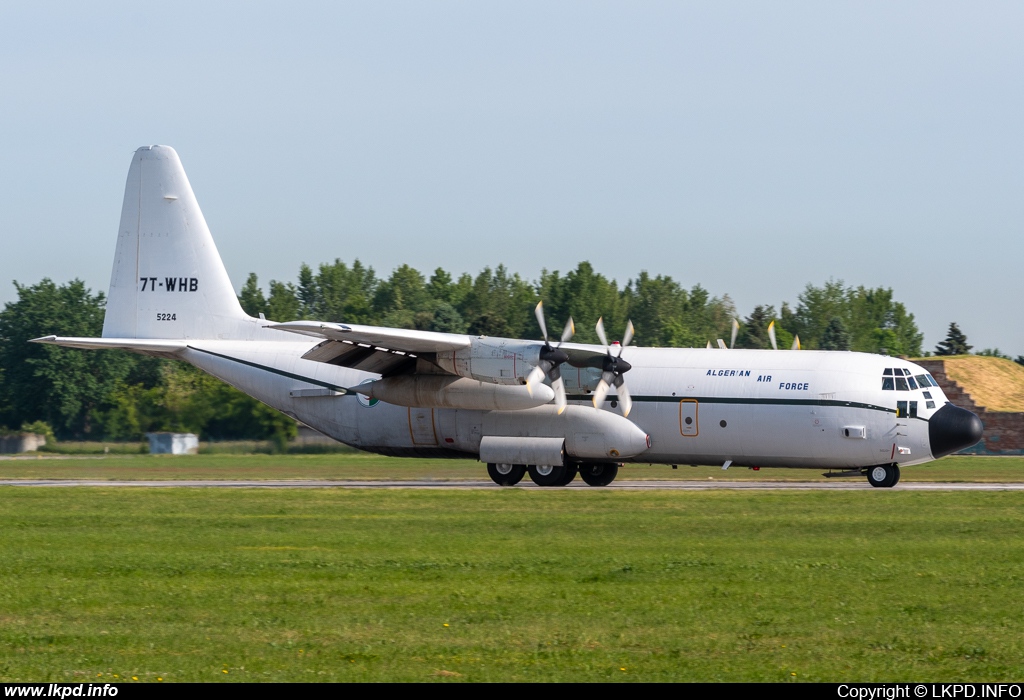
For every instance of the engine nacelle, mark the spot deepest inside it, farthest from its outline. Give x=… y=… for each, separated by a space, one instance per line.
x=493 y=360
x=447 y=391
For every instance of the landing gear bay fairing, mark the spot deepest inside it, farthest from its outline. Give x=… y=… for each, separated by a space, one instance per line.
x=551 y=410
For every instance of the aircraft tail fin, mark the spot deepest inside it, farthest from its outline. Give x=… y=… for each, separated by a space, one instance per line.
x=168 y=279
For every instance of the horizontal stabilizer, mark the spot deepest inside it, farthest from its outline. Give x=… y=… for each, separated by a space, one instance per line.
x=144 y=345
x=399 y=339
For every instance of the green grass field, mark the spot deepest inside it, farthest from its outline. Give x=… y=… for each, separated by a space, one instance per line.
x=513 y=584
x=360 y=465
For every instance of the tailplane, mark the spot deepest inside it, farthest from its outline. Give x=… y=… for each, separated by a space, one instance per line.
x=168 y=279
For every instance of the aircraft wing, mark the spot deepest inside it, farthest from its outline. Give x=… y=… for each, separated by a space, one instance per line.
x=385 y=351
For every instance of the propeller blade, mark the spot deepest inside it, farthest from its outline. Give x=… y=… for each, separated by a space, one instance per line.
x=628 y=336
x=721 y=344
x=535 y=377
x=601 y=391
x=539 y=313
x=559 y=386
x=796 y=342
x=771 y=335
x=624 y=395
x=600 y=332
x=569 y=330
x=709 y=345
x=625 y=400
x=735 y=331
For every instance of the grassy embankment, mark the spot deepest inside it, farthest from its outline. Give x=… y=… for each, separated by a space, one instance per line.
x=359 y=465
x=205 y=585
x=993 y=382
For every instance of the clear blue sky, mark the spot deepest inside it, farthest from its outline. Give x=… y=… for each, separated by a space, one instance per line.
x=749 y=147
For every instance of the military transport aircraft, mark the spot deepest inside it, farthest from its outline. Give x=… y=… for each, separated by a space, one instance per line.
x=520 y=406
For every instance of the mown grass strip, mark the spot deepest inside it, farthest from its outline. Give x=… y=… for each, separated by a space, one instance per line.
x=185 y=584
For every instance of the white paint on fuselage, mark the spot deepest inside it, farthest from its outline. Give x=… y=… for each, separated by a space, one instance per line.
x=780 y=408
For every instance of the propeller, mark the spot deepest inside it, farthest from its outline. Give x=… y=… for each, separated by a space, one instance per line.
x=796 y=342
x=614 y=368
x=771 y=335
x=735 y=331
x=551 y=358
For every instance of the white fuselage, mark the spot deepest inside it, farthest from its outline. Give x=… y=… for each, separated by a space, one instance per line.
x=698 y=406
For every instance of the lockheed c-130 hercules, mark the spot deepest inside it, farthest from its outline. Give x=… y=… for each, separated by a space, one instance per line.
x=520 y=406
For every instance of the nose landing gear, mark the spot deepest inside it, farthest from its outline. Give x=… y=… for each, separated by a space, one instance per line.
x=884 y=475
x=597 y=474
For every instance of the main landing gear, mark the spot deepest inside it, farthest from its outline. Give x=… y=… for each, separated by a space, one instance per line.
x=506 y=474
x=884 y=475
x=544 y=475
x=593 y=473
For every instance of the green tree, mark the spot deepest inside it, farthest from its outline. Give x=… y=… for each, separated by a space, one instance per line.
x=405 y=290
x=955 y=342
x=753 y=332
x=337 y=292
x=499 y=304
x=67 y=388
x=835 y=337
x=251 y=297
x=283 y=303
x=656 y=306
x=585 y=295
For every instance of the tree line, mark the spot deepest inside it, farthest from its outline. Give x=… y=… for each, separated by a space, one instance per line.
x=117 y=395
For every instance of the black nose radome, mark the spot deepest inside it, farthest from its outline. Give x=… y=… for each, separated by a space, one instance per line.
x=952 y=429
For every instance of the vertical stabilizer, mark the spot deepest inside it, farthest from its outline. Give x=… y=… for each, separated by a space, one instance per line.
x=168 y=280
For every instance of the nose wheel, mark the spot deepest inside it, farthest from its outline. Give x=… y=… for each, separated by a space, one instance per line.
x=597 y=474
x=884 y=475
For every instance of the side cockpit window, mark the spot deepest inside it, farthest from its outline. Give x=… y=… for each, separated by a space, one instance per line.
x=887 y=384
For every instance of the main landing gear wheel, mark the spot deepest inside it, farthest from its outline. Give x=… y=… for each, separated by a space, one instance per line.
x=506 y=474
x=597 y=474
x=545 y=475
x=884 y=475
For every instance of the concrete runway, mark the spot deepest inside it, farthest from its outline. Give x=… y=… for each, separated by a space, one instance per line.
x=844 y=485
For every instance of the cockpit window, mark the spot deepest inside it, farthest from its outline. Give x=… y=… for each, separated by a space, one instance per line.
x=913 y=384
x=887 y=384
x=932 y=380
x=901 y=384
x=922 y=380
x=887 y=372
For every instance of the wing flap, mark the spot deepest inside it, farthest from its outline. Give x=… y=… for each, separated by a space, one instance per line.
x=390 y=339
x=361 y=356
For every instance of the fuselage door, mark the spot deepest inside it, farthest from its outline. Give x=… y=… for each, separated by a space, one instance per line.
x=421 y=426
x=688 y=418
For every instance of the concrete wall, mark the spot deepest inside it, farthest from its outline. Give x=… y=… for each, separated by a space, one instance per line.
x=26 y=442
x=1004 y=432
